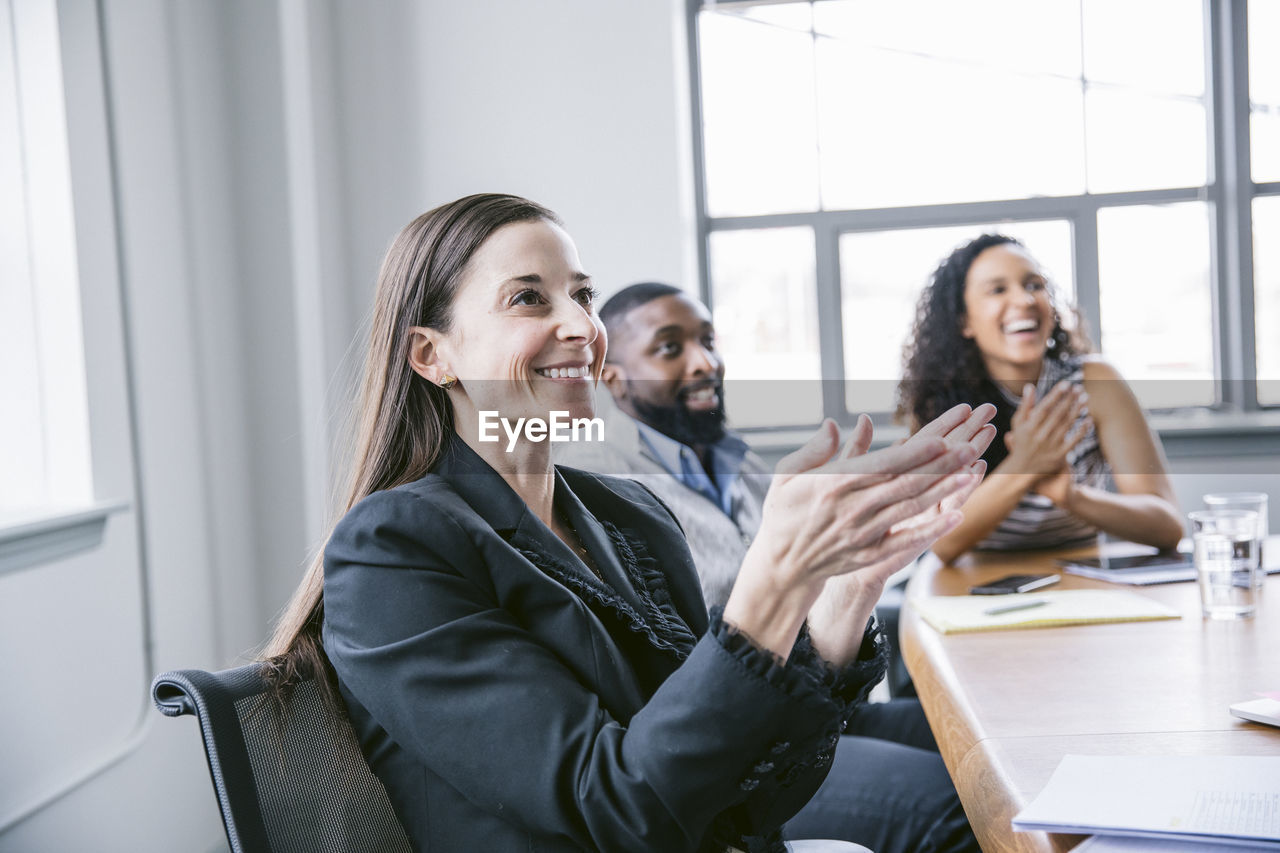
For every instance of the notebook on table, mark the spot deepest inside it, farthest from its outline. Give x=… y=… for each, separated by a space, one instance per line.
x=954 y=614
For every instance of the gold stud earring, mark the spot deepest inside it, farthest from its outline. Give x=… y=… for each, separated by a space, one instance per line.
x=448 y=382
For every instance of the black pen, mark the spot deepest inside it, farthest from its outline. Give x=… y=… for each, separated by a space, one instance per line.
x=1010 y=608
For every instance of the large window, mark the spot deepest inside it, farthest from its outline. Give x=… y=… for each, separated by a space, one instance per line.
x=846 y=146
x=44 y=429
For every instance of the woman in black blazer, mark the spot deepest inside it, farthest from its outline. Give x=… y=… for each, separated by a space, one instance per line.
x=523 y=650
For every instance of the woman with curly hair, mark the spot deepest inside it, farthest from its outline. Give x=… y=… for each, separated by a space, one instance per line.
x=1077 y=455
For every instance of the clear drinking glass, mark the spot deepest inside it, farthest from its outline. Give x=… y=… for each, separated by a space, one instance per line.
x=1250 y=502
x=1226 y=557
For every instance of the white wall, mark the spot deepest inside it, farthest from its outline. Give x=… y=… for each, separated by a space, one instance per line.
x=581 y=106
x=242 y=164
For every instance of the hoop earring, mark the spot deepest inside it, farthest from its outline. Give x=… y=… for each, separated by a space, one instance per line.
x=448 y=382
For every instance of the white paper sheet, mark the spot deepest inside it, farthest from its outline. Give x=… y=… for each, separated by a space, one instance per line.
x=1224 y=798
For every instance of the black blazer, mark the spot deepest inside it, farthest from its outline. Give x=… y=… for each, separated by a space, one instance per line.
x=510 y=701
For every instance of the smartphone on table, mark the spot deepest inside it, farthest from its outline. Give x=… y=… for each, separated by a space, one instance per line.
x=1014 y=583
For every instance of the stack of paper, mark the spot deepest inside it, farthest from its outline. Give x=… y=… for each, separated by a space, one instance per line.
x=1264 y=710
x=951 y=614
x=1122 y=844
x=1123 y=563
x=1145 y=576
x=1138 y=576
x=1227 y=799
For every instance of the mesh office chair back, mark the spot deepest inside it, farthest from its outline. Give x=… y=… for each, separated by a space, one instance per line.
x=286 y=783
x=298 y=784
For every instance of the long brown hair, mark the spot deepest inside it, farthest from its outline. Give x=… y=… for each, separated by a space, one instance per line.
x=402 y=420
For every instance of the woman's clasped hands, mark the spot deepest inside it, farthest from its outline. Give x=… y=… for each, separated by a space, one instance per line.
x=1041 y=435
x=839 y=522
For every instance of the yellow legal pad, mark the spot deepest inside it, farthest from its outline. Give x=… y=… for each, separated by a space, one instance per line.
x=954 y=614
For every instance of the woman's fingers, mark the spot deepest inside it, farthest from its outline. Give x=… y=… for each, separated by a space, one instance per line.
x=944 y=423
x=1025 y=405
x=885 y=464
x=956 y=500
x=864 y=497
x=976 y=429
x=915 y=480
x=900 y=547
x=1068 y=415
x=921 y=505
x=835 y=493
x=970 y=426
x=859 y=440
x=814 y=453
x=983 y=438
x=953 y=501
x=1078 y=431
x=868 y=513
x=1070 y=403
x=1045 y=412
x=955 y=457
x=1055 y=395
x=1055 y=414
x=1030 y=419
x=1043 y=440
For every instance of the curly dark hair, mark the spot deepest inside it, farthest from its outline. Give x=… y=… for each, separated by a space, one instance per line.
x=941 y=367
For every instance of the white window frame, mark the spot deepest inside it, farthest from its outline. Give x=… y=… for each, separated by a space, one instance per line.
x=84 y=440
x=1229 y=192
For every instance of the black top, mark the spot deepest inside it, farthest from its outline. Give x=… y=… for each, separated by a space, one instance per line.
x=511 y=701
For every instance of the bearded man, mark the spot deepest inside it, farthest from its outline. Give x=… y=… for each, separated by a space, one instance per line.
x=888 y=788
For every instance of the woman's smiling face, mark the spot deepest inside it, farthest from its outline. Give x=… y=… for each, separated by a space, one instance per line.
x=1008 y=312
x=524 y=338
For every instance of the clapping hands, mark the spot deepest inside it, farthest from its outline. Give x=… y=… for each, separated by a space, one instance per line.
x=1041 y=436
x=867 y=515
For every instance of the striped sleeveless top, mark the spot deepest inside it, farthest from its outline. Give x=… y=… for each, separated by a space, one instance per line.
x=1036 y=522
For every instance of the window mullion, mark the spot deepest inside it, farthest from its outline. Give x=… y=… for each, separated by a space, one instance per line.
x=830 y=321
x=699 y=154
x=953 y=213
x=1231 y=190
x=1084 y=226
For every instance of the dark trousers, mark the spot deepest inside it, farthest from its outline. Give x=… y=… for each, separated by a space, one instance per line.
x=888 y=788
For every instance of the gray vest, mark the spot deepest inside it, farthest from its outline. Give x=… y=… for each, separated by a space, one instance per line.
x=717 y=541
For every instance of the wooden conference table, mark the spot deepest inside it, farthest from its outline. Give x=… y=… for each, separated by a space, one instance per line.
x=1006 y=706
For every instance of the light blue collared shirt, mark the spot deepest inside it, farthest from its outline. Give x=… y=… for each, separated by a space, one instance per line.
x=683 y=464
